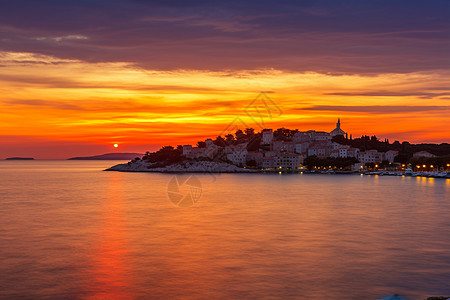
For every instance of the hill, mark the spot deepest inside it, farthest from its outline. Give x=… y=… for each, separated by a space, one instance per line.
x=110 y=156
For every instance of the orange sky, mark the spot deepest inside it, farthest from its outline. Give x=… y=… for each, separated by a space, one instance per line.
x=58 y=108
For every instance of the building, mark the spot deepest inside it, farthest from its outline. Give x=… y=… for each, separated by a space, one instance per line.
x=338 y=130
x=345 y=151
x=319 y=150
x=423 y=154
x=302 y=147
x=390 y=155
x=277 y=145
x=237 y=154
x=334 y=153
x=187 y=150
x=300 y=137
x=319 y=136
x=269 y=154
x=267 y=137
x=288 y=146
x=268 y=163
x=352 y=152
x=254 y=159
x=288 y=161
x=370 y=156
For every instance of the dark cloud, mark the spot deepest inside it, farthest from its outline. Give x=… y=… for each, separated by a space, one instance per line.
x=326 y=36
x=378 y=109
x=422 y=95
x=43 y=103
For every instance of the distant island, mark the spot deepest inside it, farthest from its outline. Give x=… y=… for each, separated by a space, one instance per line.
x=286 y=150
x=110 y=156
x=19 y=158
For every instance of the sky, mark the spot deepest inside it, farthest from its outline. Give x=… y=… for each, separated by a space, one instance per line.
x=76 y=77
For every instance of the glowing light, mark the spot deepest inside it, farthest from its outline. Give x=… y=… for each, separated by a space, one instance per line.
x=424 y=166
x=116 y=145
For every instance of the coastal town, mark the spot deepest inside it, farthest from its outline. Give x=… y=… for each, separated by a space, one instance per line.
x=290 y=151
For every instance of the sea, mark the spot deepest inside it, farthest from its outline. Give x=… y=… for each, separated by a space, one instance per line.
x=69 y=230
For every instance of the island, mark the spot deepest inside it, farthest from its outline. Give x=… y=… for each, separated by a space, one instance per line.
x=110 y=156
x=19 y=158
x=294 y=151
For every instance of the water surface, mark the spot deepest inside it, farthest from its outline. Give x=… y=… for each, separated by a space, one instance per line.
x=70 y=230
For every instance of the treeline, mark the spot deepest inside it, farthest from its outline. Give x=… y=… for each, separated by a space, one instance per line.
x=165 y=156
x=436 y=162
x=405 y=149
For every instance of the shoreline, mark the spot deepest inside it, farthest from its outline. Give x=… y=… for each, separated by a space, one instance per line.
x=219 y=168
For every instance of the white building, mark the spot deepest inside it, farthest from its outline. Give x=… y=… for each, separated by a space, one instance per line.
x=237 y=154
x=267 y=137
x=302 y=147
x=352 y=152
x=390 y=155
x=288 y=161
x=370 y=156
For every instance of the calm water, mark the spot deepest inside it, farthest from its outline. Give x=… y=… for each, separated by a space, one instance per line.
x=69 y=230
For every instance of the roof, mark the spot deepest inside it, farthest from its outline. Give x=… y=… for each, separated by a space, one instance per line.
x=337 y=131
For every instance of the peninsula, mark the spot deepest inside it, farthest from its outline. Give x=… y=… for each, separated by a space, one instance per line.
x=19 y=158
x=110 y=156
x=285 y=150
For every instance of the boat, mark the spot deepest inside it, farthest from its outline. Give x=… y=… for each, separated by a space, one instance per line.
x=408 y=172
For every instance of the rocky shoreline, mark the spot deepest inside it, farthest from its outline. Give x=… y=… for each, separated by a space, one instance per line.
x=194 y=167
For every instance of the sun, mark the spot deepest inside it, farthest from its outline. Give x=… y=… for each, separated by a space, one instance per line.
x=116 y=145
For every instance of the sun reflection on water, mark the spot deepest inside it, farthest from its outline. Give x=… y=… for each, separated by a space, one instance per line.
x=110 y=275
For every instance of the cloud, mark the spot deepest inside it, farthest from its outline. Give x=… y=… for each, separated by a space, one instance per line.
x=361 y=37
x=422 y=95
x=62 y=38
x=378 y=109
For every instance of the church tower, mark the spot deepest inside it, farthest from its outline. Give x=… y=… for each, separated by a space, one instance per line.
x=338 y=130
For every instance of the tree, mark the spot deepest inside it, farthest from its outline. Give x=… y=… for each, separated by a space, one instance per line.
x=229 y=138
x=249 y=132
x=239 y=134
x=219 y=141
